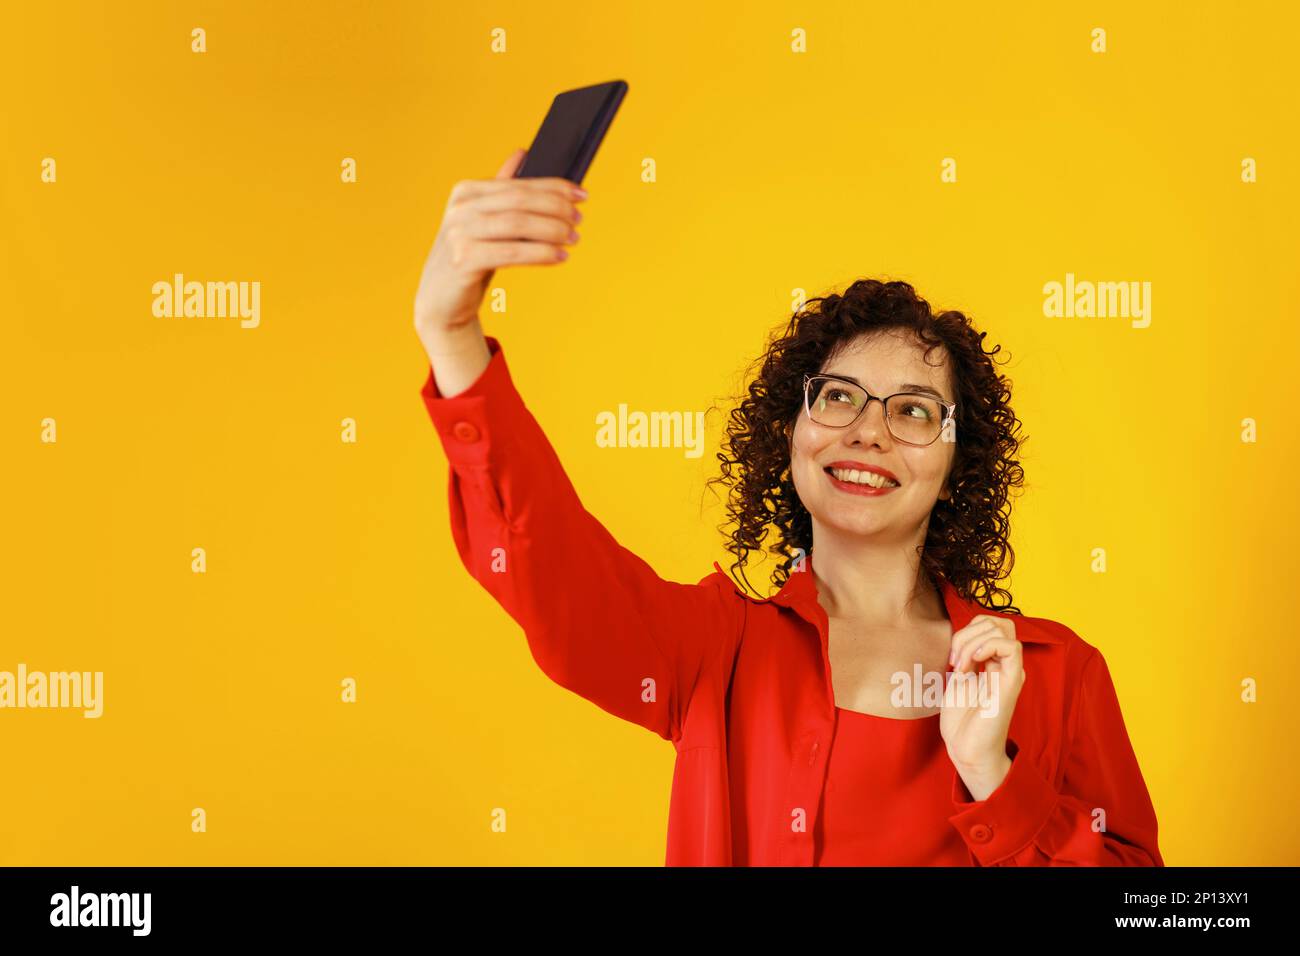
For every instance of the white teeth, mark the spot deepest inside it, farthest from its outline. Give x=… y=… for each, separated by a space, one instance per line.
x=864 y=478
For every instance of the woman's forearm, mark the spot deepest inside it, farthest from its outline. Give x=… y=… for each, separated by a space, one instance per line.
x=457 y=356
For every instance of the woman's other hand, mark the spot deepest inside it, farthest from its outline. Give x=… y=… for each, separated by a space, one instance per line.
x=977 y=707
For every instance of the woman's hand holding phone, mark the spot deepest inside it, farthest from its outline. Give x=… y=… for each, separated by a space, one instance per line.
x=487 y=224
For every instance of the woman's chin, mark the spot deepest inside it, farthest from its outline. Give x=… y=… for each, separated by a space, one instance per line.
x=859 y=526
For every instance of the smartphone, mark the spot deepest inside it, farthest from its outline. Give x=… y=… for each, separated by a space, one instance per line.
x=566 y=142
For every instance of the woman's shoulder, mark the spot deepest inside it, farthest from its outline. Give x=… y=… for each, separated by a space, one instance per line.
x=1060 y=638
x=726 y=584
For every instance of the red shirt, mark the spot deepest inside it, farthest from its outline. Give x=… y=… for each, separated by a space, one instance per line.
x=742 y=686
x=888 y=795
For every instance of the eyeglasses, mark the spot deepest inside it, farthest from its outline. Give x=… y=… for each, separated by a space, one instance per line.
x=912 y=418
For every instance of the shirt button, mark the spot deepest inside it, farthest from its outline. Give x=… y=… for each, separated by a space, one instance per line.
x=981 y=833
x=465 y=431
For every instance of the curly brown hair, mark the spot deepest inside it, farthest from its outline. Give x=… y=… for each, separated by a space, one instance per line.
x=967 y=539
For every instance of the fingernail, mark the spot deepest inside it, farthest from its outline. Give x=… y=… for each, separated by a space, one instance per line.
x=579 y=192
x=577 y=215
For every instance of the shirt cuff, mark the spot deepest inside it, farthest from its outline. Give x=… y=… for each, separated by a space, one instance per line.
x=1006 y=820
x=467 y=420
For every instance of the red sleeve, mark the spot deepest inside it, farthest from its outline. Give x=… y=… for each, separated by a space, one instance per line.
x=598 y=620
x=1027 y=821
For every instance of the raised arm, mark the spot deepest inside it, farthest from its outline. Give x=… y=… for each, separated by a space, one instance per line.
x=598 y=619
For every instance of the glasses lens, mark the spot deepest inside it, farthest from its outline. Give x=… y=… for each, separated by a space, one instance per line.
x=915 y=418
x=834 y=403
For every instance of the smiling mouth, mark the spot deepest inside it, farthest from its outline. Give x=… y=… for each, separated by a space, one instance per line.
x=861 y=479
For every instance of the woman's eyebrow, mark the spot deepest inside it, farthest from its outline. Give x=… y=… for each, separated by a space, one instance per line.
x=905 y=387
x=926 y=389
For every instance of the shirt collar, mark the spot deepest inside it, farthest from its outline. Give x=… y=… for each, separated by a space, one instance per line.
x=799 y=593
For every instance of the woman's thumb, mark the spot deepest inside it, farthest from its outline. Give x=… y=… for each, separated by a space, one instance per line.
x=508 y=168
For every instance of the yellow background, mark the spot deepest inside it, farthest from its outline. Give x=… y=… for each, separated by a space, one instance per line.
x=776 y=171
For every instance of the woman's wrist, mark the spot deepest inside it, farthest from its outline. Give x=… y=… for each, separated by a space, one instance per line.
x=982 y=781
x=443 y=339
x=457 y=355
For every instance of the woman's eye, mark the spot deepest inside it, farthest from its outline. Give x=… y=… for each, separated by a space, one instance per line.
x=838 y=395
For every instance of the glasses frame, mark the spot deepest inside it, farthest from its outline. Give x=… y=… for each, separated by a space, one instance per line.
x=950 y=408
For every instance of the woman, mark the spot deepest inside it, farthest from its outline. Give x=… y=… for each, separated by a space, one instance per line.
x=873 y=711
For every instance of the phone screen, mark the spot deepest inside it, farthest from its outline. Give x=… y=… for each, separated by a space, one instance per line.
x=574 y=126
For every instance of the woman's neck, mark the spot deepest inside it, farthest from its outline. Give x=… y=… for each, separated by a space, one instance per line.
x=875 y=588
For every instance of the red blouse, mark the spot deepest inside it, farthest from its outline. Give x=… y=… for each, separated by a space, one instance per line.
x=888 y=795
x=742 y=687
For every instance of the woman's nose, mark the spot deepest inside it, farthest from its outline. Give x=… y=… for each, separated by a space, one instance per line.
x=871 y=424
